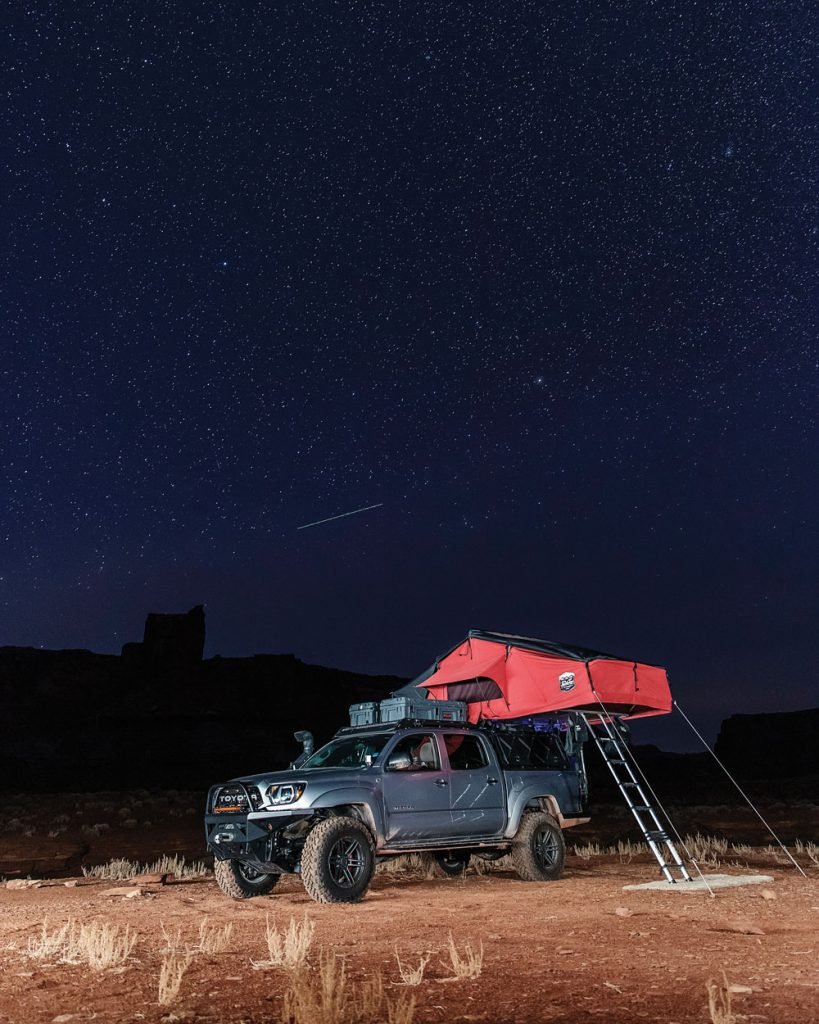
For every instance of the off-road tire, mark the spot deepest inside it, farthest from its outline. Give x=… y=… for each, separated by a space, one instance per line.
x=538 y=849
x=233 y=879
x=338 y=860
x=451 y=863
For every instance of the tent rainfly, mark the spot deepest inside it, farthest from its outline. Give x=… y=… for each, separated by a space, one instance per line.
x=502 y=676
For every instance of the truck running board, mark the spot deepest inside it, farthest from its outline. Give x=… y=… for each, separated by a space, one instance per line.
x=612 y=746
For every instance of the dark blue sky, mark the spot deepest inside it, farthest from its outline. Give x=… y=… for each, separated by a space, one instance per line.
x=540 y=278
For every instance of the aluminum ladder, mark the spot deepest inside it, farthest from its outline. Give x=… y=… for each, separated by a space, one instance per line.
x=612 y=746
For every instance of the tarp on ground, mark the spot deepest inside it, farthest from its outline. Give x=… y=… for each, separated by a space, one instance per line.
x=501 y=676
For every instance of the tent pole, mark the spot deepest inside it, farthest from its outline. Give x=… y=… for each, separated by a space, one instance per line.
x=739 y=789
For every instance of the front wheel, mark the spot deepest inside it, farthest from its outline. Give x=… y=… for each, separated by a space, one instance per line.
x=338 y=861
x=539 y=850
x=241 y=881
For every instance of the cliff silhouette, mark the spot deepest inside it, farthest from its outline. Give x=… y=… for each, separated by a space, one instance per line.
x=160 y=716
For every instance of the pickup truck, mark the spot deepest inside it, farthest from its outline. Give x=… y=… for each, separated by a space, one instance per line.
x=381 y=790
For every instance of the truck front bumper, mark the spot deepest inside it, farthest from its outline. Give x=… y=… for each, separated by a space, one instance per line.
x=259 y=839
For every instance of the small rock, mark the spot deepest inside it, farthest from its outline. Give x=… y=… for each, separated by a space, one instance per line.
x=738 y=926
x=122 y=890
x=24 y=883
x=740 y=990
x=768 y=894
x=155 y=879
x=623 y=912
x=63 y=1017
x=71 y=883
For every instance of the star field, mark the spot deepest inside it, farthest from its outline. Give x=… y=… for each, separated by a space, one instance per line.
x=541 y=279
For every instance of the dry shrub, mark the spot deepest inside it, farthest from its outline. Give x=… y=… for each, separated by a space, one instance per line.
x=719 y=1001
x=400 y=1010
x=409 y=865
x=368 y=998
x=467 y=964
x=324 y=996
x=98 y=944
x=319 y=997
x=412 y=975
x=120 y=870
x=287 y=948
x=214 y=938
x=172 y=970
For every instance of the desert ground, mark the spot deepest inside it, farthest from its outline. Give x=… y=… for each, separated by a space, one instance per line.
x=577 y=950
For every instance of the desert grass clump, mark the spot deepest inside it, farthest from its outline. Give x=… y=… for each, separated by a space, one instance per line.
x=49 y=945
x=117 y=870
x=121 y=870
x=171 y=971
x=810 y=850
x=325 y=996
x=288 y=947
x=408 y=865
x=719 y=1001
x=319 y=997
x=214 y=938
x=98 y=944
x=468 y=964
x=103 y=945
x=412 y=975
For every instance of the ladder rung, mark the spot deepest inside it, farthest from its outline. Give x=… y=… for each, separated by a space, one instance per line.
x=657 y=837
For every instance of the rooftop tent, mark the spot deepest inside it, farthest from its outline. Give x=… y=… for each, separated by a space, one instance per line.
x=502 y=676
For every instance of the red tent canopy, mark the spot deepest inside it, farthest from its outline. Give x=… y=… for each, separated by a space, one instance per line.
x=502 y=676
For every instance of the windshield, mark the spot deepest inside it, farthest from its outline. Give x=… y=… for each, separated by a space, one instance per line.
x=348 y=751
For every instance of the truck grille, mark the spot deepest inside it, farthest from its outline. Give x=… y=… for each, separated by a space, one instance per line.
x=234 y=800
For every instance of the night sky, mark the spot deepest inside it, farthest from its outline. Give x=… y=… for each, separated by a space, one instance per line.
x=537 y=278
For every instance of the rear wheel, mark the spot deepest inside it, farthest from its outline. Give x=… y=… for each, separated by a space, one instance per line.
x=338 y=861
x=241 y=881
x=451 y=863
x=539 y=850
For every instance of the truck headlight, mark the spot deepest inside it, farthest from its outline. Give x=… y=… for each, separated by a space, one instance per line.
x=285 y=793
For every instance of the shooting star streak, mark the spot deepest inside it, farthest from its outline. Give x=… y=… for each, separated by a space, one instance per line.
x=355 y=512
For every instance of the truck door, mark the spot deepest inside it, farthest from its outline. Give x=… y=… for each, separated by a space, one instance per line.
x=416 y=790
x=476 y=791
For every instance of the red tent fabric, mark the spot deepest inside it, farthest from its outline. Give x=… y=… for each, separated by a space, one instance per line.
x=531 y=677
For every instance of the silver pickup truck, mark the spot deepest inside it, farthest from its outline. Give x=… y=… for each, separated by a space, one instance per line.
x=449 y=790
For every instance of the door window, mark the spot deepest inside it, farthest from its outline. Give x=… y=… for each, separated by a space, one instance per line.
x=423 y=752
x=466 y=753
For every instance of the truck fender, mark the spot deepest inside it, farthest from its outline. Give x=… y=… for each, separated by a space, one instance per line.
x=527 y=800
x=360 y=804
x=547 y=803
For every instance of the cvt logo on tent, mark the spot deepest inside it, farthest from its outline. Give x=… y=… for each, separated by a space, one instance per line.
x=566 y=681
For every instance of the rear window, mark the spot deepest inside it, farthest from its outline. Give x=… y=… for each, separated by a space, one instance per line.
x=530 y=751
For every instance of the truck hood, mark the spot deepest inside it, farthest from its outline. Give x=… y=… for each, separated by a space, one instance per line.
x=323 y=776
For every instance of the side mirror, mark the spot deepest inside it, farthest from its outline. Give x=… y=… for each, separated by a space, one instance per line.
x=399 y=762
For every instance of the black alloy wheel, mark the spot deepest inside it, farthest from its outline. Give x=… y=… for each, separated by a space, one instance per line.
x=539 y=850
x=338 y=860
x=347 y=862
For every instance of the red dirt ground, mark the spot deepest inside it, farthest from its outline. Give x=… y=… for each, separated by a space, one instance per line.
x=574 y=951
